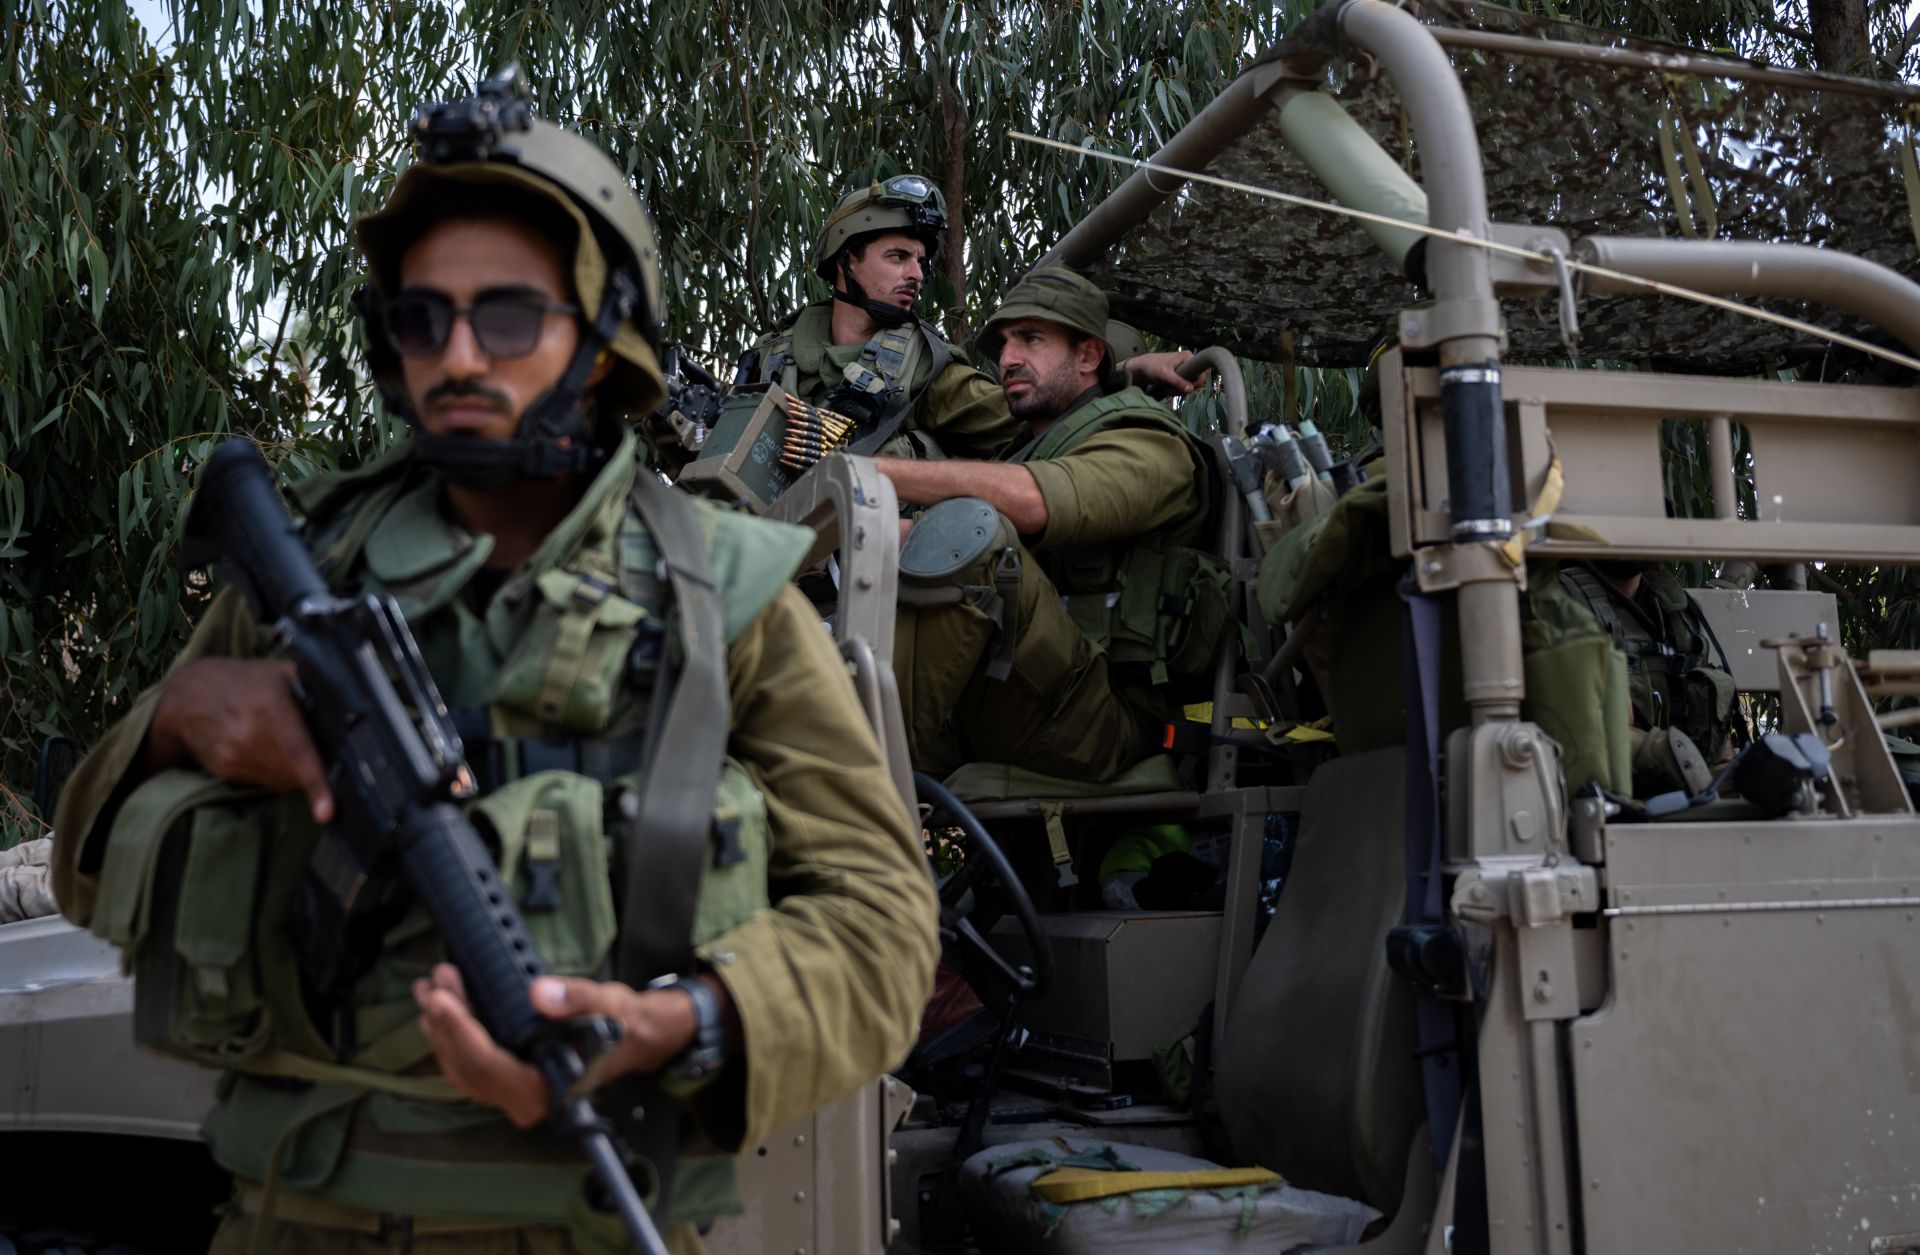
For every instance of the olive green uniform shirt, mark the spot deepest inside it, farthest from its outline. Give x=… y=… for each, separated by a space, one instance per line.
x=961 y=408
x=1063 y=710
x=830 y=980
x=1116 y=484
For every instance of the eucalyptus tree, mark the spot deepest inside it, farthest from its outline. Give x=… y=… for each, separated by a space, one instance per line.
x=178 y=263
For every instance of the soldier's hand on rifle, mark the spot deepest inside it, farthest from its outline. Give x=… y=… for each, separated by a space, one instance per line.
x=1161 y=371
x=238 y=720
x=655 y=1026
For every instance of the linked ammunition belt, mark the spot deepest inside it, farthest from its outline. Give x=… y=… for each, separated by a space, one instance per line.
x=811 y=434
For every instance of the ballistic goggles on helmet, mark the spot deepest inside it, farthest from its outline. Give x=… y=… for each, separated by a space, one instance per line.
x=925 y=207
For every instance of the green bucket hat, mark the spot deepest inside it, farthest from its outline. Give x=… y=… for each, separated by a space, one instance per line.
x=1057 y=295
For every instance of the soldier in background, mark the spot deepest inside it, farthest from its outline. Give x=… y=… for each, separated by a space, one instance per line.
x=1680 y=691
x=864 y=354
x=1048 y=599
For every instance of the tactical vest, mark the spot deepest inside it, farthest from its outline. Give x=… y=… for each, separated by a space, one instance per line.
x=1671 y=680
x=879 y=389
x=1157 y=602
x=349 y=1110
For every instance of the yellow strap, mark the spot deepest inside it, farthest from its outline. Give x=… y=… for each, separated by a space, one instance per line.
x=1077 y=1185
x=1202 y=712
x=543 y=835
x=1515 y=550
x=1301 y=734
x=1673 y=129
x=1910 y=174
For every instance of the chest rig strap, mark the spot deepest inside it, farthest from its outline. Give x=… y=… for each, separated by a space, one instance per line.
x=1632 y=633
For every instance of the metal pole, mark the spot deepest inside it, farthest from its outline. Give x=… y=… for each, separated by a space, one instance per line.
x=1477 y=484
x=1726 y=501
x=1826 y=276
x=1668 y=63
x=1225 y=119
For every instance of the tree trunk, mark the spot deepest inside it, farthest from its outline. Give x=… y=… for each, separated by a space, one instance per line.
x=1840 y=43
x=953 y=247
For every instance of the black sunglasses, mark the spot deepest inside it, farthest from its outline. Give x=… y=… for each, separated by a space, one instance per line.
x=505 y=324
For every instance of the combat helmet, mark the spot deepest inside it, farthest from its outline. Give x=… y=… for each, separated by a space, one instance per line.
x=907 y=203
x=491 y=141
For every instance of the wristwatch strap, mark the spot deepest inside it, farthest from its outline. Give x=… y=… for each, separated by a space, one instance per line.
x=706 y=1054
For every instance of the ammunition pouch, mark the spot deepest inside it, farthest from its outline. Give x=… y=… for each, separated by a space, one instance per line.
x=572 y=663
x=179 y=893
x=1168 y=615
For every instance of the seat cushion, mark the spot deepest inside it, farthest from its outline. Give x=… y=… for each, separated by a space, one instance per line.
x=1010 y=1217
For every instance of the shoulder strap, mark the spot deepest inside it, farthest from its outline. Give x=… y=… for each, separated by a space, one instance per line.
x=896 y=351
x=1097 y=413
x=1587 y=586
x=686 y=740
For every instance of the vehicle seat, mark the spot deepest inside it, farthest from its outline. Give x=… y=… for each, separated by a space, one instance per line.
x=1317 y=1076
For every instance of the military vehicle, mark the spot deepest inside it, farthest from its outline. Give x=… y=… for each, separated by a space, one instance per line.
x=1502 y=1013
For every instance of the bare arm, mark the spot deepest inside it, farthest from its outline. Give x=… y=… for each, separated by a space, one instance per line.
x=1007 y=486
x=1160 y=372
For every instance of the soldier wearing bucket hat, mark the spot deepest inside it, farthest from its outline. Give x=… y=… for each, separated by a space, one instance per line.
x=1056 y=604
x=568 y=606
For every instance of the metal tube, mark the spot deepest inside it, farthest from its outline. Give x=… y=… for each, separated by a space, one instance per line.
x=1477 y=483
x=1354 y=168
x=1726 y=501
x=1233 y=384
x=1749 y=268
x=1449 y=157
x=1668 y=63
x=1225 y=119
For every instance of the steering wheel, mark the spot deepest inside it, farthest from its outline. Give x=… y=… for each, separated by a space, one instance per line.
x=958 y=934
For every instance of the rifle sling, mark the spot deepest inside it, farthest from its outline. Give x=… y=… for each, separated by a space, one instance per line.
x=668 y=837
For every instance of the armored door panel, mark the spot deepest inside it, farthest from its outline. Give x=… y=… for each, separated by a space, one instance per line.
x=820 y=1186
x=1752 y=1082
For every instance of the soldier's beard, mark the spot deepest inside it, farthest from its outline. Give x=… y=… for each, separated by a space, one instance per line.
x=1045 y=398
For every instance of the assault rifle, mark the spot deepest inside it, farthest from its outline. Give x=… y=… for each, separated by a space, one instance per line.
x=394 y=764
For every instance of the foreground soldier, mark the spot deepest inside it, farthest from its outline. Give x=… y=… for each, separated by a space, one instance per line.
x=1107 y=502
x=514 y=323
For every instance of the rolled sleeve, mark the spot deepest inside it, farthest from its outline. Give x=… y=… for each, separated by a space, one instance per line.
x=829 y=983
x=1115 y=485
x=967 y=413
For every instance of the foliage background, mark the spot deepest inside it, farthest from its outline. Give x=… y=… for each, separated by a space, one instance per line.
x=178 y=179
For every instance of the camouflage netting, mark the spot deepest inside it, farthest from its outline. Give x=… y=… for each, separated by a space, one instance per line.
x=1566 y=143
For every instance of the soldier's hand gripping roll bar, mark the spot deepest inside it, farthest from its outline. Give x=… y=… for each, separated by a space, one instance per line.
x=393 y=760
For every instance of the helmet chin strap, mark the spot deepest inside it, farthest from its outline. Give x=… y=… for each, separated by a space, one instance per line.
x=886 y=315
x=554 y=439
